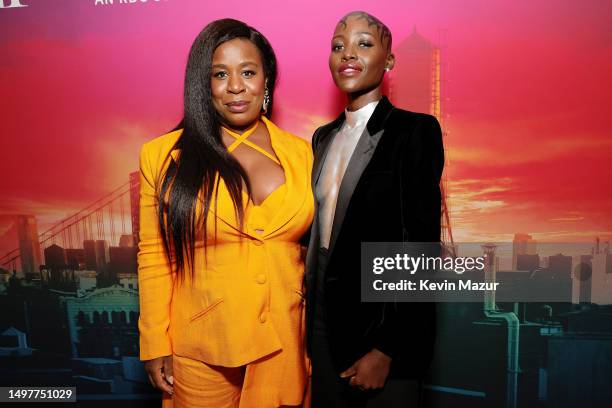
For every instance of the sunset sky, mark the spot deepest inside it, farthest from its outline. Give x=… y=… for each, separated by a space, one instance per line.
x=528 y=145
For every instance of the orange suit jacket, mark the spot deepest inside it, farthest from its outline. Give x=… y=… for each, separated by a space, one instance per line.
x=246 y=300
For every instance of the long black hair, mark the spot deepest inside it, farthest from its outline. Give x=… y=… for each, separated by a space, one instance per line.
x=204 y=158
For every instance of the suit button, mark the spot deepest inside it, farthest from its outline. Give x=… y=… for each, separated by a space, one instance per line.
x=263 y=317
x=261 y=278
x=257 y=242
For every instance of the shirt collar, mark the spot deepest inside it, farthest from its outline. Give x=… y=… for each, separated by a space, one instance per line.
x=360 y=116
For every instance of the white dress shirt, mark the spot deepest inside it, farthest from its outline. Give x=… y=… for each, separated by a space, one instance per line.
x=334 y=167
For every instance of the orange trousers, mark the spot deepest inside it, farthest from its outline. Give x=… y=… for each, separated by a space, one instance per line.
x=200 y=385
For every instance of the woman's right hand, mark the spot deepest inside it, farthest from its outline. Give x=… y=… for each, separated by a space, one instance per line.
x=160 y=373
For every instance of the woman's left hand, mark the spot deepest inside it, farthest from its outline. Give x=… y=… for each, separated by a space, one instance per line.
x=370 y=371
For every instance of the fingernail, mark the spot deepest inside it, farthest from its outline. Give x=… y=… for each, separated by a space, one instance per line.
x=171 y=380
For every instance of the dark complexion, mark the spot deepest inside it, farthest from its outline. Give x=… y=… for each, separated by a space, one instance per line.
x=359 y=56
x=238 y=84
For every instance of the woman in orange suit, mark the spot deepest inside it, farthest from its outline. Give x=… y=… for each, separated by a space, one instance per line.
x=224 y=202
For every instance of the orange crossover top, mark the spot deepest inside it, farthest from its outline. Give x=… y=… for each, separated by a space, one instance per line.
x=245 y=302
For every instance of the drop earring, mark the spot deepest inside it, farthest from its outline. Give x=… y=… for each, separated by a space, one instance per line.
x=266 y=99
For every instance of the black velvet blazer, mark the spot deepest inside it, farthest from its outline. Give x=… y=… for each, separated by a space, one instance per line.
x=390 y=193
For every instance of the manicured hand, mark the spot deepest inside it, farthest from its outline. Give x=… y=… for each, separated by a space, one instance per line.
x=160 y=373
x=370 y=371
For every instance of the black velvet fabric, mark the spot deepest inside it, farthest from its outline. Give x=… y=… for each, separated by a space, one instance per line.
x=397 y=198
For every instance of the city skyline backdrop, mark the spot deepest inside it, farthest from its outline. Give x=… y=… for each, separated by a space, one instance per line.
x=83 y=86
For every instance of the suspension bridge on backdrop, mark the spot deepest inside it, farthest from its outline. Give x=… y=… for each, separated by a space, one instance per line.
x=108 y=218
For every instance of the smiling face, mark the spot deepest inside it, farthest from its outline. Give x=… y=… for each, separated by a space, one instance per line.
x=359 y=55
x=237 y=83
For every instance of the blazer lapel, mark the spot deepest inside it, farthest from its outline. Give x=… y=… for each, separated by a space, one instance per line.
x=295 y=165
x=359 y=161
x=325 y=139
x=357 y=164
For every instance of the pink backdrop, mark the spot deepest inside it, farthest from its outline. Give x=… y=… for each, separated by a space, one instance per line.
x=82 y=86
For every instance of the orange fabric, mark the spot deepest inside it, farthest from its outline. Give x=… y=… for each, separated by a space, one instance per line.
x=243 y=138
x=197 y=384
x=245 y=303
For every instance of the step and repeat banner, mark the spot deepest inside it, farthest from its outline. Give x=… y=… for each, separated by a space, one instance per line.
x=520 y=89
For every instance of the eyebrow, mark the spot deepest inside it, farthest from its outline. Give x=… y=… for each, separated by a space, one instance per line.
x=361 y=32
x=244 y=64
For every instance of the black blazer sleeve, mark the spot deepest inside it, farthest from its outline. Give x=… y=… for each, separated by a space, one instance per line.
x=420 y=182
x=407 y=331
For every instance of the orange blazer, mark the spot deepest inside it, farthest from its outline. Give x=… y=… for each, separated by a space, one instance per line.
x=246 y=300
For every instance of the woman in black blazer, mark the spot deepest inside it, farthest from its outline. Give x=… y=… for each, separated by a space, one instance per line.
x=376 y=177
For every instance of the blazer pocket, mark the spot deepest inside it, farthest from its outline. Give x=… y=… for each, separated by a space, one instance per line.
x=206 y=310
